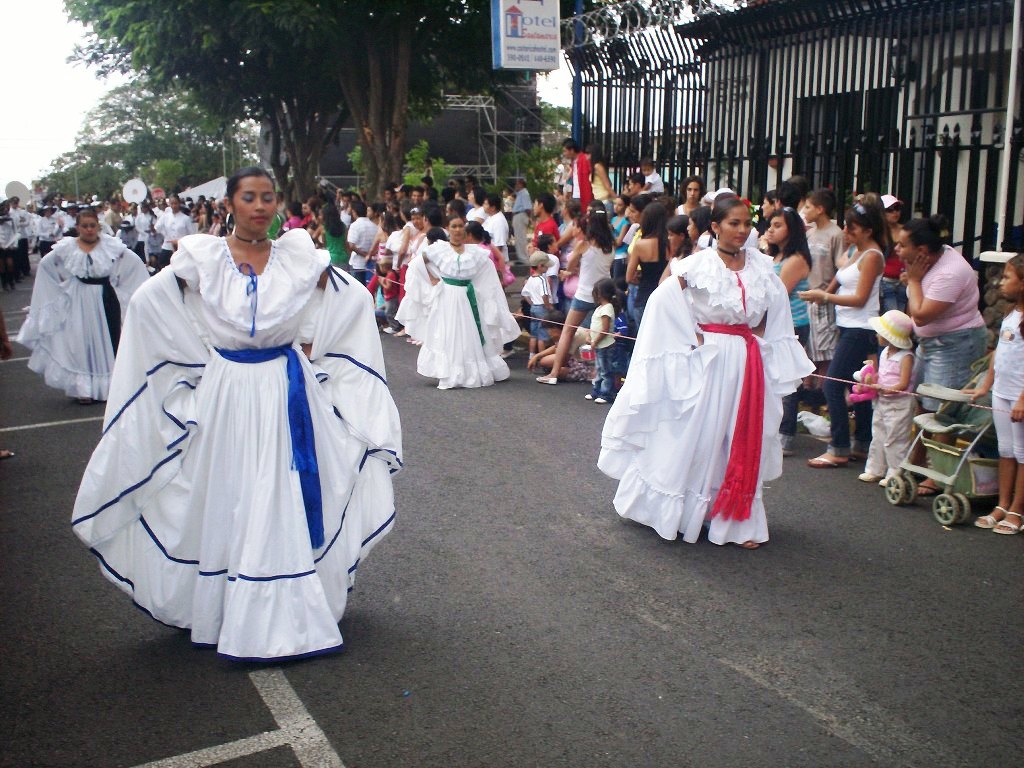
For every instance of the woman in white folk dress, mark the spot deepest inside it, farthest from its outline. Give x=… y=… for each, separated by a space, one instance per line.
x=469 y=321
x=695 y=429
x=79 y=299
x=245 y=465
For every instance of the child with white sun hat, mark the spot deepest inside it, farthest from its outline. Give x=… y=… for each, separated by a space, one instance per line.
x=894 y=408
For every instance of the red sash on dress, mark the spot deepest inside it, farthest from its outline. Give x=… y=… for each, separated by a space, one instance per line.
x=740 y=484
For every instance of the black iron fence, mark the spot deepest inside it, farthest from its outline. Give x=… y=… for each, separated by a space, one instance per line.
x=900 y=96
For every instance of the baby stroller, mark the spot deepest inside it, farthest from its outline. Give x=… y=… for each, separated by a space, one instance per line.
x=964 y=469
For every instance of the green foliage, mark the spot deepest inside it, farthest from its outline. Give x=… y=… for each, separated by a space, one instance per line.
x=536 y=165
x=358 y=161
x=556 y=120
x=166 y=174
x=418 y=163
x=304 y=66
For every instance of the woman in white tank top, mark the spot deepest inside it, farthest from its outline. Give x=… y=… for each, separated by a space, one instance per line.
x=855 y=292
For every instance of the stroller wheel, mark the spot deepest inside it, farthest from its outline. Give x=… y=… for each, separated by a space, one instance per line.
x=896 y=491
x=946 y=508
x=910 y=489
x=965 y=507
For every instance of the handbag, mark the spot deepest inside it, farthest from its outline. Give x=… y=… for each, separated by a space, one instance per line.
x=569 y=286
x=507 y=278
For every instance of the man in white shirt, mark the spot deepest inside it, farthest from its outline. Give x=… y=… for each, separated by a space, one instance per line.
x=173 y=224
x=23 y=224
x=361 y=234
x=495 y=224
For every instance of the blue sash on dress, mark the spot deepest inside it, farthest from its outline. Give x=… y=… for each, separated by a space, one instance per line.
x=300 y=424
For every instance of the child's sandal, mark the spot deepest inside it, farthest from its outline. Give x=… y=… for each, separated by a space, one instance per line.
x=1007 y=528
x=987 y=521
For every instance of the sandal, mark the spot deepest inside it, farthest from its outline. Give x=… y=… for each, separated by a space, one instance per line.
x=1007 y=528
x=987 y=521
x=828 y=461
x=6 y=454
x=750 y=545
x=926 y=491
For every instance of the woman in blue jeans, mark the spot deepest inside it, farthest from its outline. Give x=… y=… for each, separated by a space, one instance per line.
x=855 y=292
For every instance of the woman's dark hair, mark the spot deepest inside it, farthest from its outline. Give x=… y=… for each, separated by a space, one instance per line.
x=680 y=225
x=640 y=202
x=459 y=207
x=724 y=204
x=475 y=230
x=695 y=179
x=453 y=216
x=332 y=221
x=295 y=208
x=596 y=156
x=572 y=209
x=544 y=242
x=605 y=289
x=87 y=213
x=436 y=233
x=870 y=216
x=358 y=208
x=653 y=225
x=772 y=196
x=390 y=223
x=598 y=231
x=434 y=215
x=932 y=233
x=796 y=242
x=245 y=173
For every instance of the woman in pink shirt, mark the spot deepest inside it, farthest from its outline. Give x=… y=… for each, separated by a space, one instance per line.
x=942 y=300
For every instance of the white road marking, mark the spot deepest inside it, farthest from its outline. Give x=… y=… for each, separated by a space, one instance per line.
x=45 y=424
x=14 y=359
x=297 y=729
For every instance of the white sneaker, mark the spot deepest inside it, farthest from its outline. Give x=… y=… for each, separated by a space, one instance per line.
x=600 y=401
x=867 y=477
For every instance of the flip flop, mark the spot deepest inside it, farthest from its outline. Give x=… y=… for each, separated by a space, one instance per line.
x=6 y=454
x=926 y=491
x=826 y=461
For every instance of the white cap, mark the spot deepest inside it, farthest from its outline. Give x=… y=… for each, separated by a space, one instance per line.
x=710 y=197
x=888 y=201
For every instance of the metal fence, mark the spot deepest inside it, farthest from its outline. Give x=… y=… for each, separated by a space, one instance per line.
x=901 y=96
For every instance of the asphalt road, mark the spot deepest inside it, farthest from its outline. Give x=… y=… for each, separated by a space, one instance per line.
x=512 y=619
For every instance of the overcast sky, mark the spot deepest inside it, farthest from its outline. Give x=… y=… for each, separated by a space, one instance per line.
x=46 y=98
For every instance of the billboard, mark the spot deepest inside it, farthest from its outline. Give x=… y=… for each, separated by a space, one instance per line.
x=525 y=34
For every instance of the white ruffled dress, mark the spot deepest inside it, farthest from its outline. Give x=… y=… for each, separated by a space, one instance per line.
x=66 y=327
x=668 y=435
x=190 y=501
x=451 y=351
x=420 y=297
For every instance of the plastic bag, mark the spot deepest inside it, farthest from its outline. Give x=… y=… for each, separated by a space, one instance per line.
x=815 y=423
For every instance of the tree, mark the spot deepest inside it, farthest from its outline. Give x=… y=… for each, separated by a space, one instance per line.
x=304 y=66
x=135 y=129
x=237 y=62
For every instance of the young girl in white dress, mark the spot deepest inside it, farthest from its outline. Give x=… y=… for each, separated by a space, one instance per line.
x=694 y=431
x=244 y=470
x=1005 y=380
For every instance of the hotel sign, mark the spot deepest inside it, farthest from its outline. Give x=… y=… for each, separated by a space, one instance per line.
x=525 y=34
